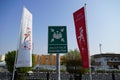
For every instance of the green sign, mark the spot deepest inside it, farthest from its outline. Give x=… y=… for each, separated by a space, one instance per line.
x=57 y=39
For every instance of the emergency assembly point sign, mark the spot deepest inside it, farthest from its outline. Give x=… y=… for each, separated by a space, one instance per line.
x=57 y=39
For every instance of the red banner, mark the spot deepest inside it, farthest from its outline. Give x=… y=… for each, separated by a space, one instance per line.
x=81 y=35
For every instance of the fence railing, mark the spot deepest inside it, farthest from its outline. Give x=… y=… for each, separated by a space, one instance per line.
x=64 y=76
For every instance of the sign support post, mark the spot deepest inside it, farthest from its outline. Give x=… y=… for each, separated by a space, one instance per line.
x=58 y=66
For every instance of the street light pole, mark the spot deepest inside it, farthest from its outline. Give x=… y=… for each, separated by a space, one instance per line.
x=100 y=48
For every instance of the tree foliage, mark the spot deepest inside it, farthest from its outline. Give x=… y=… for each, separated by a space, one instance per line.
x=73 y=63
x=92 y=61
x=10 y=58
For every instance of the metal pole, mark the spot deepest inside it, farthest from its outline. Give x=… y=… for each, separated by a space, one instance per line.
x=13 y=73
x=90 y=72
x=14 y=67
x=100 y=48
x=57 y=66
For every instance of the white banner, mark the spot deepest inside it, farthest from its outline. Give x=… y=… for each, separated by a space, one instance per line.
x=24 y=56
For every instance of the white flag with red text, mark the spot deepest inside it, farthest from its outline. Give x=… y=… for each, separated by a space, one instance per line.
x=24 y=55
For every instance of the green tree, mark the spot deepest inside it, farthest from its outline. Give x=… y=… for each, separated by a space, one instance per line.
x=92 y=61
x=10 y=58
x=73 y=63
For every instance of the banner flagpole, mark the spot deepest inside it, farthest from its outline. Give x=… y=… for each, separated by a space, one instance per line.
x=88 y=44
x=24 y=45
x=14 y=68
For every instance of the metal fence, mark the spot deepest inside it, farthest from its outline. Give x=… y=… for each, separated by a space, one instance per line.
x=64 y=76
x=5 y=76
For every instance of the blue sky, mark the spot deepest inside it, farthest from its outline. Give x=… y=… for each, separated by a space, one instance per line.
x=103 y=22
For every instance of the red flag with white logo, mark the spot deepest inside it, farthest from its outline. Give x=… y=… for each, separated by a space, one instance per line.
x=81 y=35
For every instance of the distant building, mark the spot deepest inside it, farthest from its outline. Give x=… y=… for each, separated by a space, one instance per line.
x=2 y=57
x=108 y=61
x=45 y=59
x=47 y=62
x=2 y=64
x=49 y=59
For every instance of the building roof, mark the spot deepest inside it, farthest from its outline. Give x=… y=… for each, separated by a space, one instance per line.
x=106 y=55
x=2 y=63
